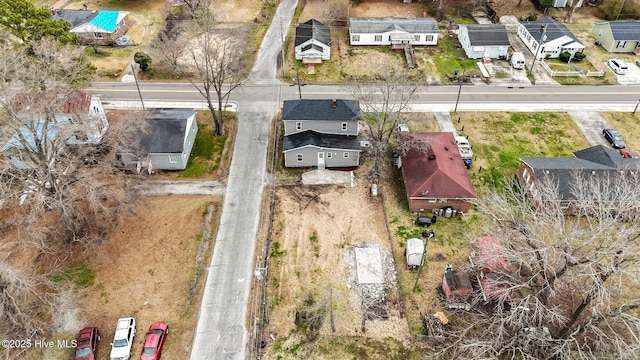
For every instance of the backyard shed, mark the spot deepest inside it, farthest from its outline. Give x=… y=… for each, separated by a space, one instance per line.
x=415 y=252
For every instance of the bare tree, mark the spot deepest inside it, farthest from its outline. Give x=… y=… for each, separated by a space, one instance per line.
x=382 y=99
x=20 y=302
x=572 y=282
x=335 y=11
x=212 y=64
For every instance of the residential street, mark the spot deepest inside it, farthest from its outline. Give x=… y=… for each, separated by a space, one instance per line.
x=221 y=331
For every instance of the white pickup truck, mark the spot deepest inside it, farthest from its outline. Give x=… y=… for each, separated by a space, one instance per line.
x=465 y=150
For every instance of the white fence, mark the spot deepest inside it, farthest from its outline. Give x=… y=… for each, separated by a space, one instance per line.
x=553 y=72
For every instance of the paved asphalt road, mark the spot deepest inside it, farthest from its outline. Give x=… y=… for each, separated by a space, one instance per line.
x=221 y=331
x=431 y=98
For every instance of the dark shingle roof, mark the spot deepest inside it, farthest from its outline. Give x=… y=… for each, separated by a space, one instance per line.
x=318 y=109
x=554 y=31
x=313 y=29
x=312 y=46
x=598 y=160
x=382 y=25
x=488 y=35
x=625 y=30
x=75 y=17
x=311 y=137
x=165 y=130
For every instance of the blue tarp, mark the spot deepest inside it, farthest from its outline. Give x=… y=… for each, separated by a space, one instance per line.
x=30 y=133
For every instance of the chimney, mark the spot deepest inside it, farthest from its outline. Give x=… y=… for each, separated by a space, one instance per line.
x=334 y=103
x=53 y=10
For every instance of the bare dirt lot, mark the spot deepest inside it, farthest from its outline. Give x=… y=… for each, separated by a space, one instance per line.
x=317 y=229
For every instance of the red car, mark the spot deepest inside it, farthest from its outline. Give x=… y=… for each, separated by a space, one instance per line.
x=87 y=345
x=154 y=341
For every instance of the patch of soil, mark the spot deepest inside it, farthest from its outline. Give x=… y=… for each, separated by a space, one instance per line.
x=387 y=8
x=317 y=227
x=145 y=269
x=236 y=11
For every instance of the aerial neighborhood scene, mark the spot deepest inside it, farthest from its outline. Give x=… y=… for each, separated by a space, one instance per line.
x=320 y=179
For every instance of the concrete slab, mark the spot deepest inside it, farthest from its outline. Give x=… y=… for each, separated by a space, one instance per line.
x=369 y=265
x=444 y=121
x=327 y=177
x=591 y=124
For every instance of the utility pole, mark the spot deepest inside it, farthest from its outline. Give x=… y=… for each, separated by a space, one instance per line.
x=543 y=38
x=298 y=79
x=459 y=91
x=133 y=70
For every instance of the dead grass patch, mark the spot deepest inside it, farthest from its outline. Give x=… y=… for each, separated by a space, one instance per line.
x=627 y=124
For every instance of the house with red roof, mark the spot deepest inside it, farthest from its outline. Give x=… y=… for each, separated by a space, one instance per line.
x=438 y=178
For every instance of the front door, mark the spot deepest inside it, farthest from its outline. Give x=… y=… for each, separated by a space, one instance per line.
x=320 y=160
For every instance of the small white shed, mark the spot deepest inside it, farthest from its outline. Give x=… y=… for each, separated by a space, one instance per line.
x=415 y=252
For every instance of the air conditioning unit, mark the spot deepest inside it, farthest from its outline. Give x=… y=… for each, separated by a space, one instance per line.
x=365 y=144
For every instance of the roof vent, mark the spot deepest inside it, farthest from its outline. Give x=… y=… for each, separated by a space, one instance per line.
x=431 y=157
x=334 y=103
x=446 y=148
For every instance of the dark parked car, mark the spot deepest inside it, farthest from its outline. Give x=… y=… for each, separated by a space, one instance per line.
x=154 y=341
x=87 y=345
x=614 y=138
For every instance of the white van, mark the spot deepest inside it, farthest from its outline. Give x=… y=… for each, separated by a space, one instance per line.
x=517 y=60
x=618 y=66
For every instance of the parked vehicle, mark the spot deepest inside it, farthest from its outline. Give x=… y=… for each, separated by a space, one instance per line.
x=154 y=341
x=618 y=66
x=517 y=60
x=87 y=344
x=614 y=138
x=466 y=152
x=123 y=339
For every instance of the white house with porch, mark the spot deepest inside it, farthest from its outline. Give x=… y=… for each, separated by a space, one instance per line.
x=547 y=38
x=396 y=32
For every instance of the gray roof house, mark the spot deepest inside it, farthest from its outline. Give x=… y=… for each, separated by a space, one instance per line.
x=311 y=148
x=618 y=36
x=313 y=42
x=396 y=32
x=165 y=143
x=599 y=160
x=336 y=116
x=484 y=40
x=557 y=38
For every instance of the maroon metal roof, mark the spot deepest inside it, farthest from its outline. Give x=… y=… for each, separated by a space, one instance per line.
x=440 y=173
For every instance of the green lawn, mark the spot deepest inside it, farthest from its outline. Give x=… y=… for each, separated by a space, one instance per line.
x=206 y=153
x=499 y=140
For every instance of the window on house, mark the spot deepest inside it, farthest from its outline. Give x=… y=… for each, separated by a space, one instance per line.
x=526 y=176
x=329 y=155
x=416 y=38
x=442 y=201
x=429 y=38
x=97 y=35
x=378 y=38
x=621 y=44
x=299 y=125
x=344 y=126
x=345 y=155
x=173 y=158
x=564 y=204
x=299 y=157
x=355 y=38
x=431 y=200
